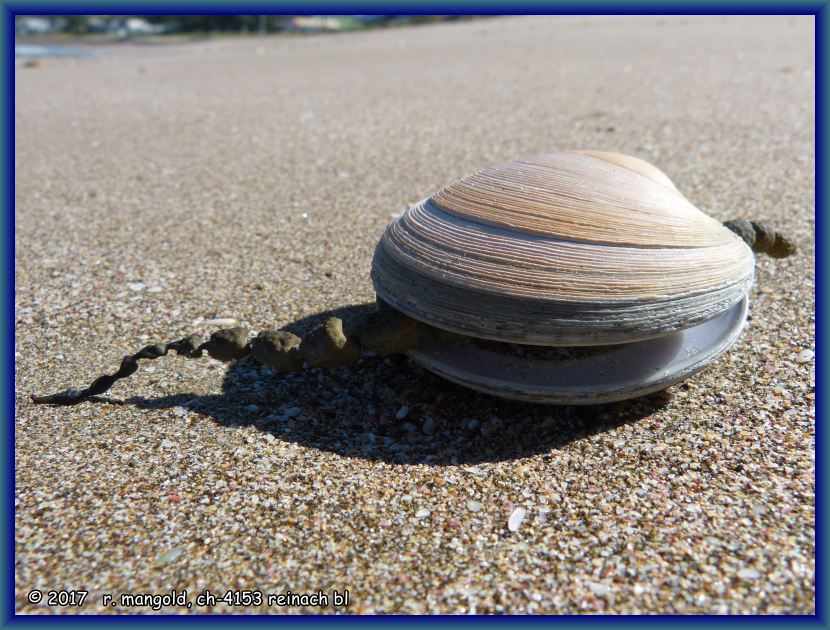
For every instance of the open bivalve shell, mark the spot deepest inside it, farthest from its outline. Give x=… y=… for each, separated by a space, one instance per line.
x=596 y=257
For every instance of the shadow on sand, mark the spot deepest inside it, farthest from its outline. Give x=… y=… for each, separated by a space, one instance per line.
x=352 y=410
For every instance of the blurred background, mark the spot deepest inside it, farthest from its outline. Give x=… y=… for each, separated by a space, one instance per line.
x=98 y=27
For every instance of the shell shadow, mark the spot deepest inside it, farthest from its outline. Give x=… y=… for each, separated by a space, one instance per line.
x=353 y=411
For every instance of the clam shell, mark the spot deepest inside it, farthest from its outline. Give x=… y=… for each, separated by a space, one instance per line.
x=575 y=248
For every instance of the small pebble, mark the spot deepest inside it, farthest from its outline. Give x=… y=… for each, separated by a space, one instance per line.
x=135 y=286
x=423 y=512
x=749 y=574
x=401 y=413
x=474 y=506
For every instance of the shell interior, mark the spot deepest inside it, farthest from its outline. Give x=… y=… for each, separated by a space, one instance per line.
x=577 y=376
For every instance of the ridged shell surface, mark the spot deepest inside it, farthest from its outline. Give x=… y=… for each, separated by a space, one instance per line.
x=576 y=248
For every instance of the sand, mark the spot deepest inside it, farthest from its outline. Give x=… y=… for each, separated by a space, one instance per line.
x=160 y=186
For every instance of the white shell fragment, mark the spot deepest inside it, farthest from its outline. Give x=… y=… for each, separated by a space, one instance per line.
x=219 y=321
x=516 y=519
x=749 y=574
x=805 y=356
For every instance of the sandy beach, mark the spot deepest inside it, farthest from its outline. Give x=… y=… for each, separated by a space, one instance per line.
x=159 y=187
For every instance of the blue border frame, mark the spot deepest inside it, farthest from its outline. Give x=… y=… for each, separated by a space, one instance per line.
x=157 y=7
x=414 y=7
x=7 y=323
x=821 y=441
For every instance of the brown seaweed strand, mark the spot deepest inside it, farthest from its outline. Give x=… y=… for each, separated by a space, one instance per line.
x=188 y=347
x=761 y=238
x=328 y=345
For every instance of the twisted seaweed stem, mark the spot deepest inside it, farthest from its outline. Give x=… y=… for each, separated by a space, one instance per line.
x=383 y=332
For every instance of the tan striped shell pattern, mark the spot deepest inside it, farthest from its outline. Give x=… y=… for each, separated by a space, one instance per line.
x=571 y=248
